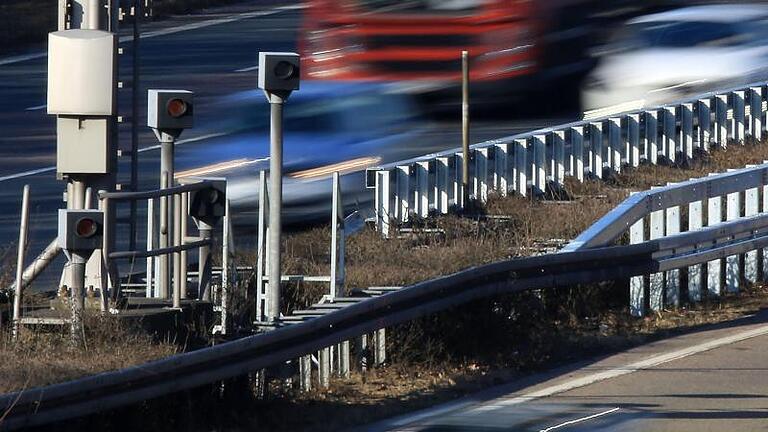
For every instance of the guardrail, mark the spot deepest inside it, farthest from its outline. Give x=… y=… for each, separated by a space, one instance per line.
x=687 y=206
x=538 y=161
x=676 y=251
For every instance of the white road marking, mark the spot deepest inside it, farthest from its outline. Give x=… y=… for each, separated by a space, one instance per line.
x=36 y=108
x=623 y=370
x=579 y=420
x=248 y=69
x=170 y=30
x=27 y=173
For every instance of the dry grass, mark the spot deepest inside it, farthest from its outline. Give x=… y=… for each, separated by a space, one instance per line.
x=46 y=357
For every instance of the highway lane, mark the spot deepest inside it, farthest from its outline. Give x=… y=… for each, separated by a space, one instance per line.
x=711 y=380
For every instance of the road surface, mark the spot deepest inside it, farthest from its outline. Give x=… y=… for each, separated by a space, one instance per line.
x=712 y=380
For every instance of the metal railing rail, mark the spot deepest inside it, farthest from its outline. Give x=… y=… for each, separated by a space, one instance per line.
x=537 y=161
x=112 y=389
x=159 y=272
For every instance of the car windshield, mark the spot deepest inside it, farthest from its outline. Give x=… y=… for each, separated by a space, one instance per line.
x=685 y=34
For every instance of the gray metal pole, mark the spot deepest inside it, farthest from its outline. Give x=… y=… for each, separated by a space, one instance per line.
x=20 y=259
x=40 y=263
x=150 y=245
x=135 y=96
x=276 y=204
x=76 y=299
x=166 y=181
x=465 y=128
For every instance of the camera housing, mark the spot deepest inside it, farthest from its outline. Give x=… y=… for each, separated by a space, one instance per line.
x=170 y=109
x=81 y=230
x=279 y=72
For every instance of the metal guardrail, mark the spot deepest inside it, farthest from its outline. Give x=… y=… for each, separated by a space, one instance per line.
x=533 y=162
x=687 y=206
x=80 y=397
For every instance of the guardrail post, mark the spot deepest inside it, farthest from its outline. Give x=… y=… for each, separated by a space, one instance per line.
x=558 y=163
x=695 y=272
x=539 y=164
x=22 y=247
x=668 y=134
x=686 y=131
x=651 y=136
x=380 y=349
x=324 y=368
x=576 y=164
x=305 y=372
x=656 y=289
x=714 y=267
x=637 y=283
x=756 y=113
x=614 y=144
x=421 y=194
x=732 y=276
x=738 y=116
x=521 y=166
x=402 y=192
x=672 y=296
x=705 y=124
x=596 y=149
x=150 y=246
x=632 y=140
x=383 y=203
x=721 y=120
x=480 y=177
x=441 y=184
x=751 y=208
x=261 y=293
x=458 y=196
x=344 y=359
x=501 y=170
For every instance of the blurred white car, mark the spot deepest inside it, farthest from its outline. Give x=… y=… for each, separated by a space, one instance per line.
x=663 y=57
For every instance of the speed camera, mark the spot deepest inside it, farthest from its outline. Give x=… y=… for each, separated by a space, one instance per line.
x=279 y=71
x=170 y=109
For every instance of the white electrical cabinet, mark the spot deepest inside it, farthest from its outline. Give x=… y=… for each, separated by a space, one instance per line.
x=81 y=73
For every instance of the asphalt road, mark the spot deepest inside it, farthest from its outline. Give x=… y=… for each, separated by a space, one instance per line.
x=712 y=380
x=211 y=53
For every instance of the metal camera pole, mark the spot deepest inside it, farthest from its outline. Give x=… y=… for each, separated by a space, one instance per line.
x=279 y=75
x=276 y=203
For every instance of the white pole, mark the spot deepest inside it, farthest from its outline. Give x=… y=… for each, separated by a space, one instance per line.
x=20 y=259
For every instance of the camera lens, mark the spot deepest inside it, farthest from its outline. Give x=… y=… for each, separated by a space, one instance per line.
x=285 y=70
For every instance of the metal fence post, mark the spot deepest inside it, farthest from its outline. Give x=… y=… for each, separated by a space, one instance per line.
x=732 y=273
x=261 y=294
x=22 y=247
x=150 y=245
x=705 y=124
x=656 y=290
x=637 y=283
x=696 y=272
x=177 y=241
x=184 y=232
x=225 y=255
x=337 y=244
x=464 y=127
x=651 y=136
x=163 y=274
x=714 y=267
